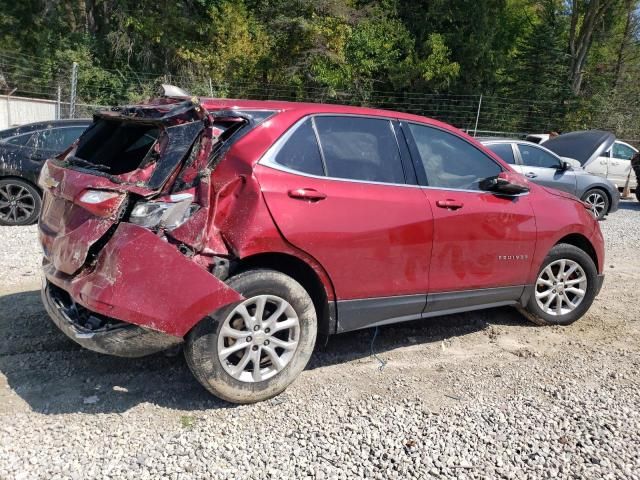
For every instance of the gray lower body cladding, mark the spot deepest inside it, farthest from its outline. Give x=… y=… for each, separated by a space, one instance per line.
x=111 y=336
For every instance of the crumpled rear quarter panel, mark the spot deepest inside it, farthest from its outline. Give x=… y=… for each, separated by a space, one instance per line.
x=141 y=279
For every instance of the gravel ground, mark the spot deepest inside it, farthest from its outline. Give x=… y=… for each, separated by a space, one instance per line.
x=479 y=395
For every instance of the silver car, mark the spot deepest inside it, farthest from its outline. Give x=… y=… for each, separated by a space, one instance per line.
x=543 y=166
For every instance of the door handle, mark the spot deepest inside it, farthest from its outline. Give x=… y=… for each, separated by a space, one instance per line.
x=307 y=194
x=603 y=162
x=449 y=204
x=530 y=175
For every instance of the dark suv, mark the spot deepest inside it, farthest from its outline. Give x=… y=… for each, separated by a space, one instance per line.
x=245 y=229
x=23 y=151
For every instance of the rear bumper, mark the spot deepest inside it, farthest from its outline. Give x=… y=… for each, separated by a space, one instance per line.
x=140 y=279
x=615 y=201
x=112 y=337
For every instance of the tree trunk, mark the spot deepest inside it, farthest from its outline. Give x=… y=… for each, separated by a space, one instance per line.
x=580 y=38
x=623 y=44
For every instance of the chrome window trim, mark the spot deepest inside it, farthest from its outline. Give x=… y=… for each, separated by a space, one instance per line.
x=267 y=159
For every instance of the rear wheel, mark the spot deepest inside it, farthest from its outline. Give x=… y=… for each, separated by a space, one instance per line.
x=252 y=350
x=598 y=201
x=19 y=202
x=565 y=287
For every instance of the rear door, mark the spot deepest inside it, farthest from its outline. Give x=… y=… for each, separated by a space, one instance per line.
x=545 y=168
x=339 y=190
x=481 y=241
x=620 y=163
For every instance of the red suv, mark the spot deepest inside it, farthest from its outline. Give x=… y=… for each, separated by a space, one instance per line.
x=245 y=229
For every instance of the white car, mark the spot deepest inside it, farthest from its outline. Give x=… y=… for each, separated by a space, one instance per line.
x=615 y=164
x=610 y=159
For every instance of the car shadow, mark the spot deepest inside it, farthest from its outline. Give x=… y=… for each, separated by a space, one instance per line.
x=629 y=205
x=53 y=375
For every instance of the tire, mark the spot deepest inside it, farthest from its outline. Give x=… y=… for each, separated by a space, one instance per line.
x=637 y=192
x=218 y=332
x=598 y=200
x=571 y=255
x=20 y=202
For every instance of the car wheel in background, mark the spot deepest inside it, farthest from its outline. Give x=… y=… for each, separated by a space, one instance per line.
x=19 y=202
x=598 y=201
x=565 y=287
x=252 y=350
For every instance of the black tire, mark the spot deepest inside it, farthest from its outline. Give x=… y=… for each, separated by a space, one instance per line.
x=201 y=346
x=599 y=194
x=637 y=192
x=20 y=202
x=534 y=312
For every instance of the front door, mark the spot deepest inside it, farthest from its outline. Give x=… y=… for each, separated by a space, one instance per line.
x=542 y=167
x=346 y=203
x=481 y=241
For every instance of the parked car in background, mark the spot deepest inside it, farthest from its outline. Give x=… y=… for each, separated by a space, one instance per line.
x=618 y=164
x=546 y=168
x=246 y=228
x=599 y=153
x=537 y=137
x=23 y=151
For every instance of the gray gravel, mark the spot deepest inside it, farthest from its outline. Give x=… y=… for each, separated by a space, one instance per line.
x=482 y=395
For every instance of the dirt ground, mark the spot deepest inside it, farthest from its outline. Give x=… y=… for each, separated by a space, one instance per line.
x=445 y=362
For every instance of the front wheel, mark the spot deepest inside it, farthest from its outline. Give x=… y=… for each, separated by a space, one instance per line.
x=598 y=201
x=565 y=287
x=252 y=350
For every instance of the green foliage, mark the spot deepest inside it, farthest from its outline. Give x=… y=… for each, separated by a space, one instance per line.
x=352 y=51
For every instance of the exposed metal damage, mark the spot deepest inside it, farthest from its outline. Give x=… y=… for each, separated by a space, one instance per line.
x=113 y=231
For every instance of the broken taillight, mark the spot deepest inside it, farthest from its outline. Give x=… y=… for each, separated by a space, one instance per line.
x=167 y=215
x=102 y=203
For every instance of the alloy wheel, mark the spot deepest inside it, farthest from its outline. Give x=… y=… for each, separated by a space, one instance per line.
x=258 y=338
x=561 y=287
x=16 y=203
x=597 y=202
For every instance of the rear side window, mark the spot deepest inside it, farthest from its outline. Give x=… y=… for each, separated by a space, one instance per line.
x=504 y=151
x=119 y=145
x=449 y=161
x=58 y=139
x=536 y=157
x=21 y=140
x=358 y=148
x=301 y=152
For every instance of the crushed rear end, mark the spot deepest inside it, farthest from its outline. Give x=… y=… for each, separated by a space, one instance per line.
x=126 y=227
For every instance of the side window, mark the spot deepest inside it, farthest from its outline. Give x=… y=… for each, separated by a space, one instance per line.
x=301 y=152
x=535 y=157
x=449 y=161
x=21 y=140
x=622 y=151
x=360 y=148
x=58 y=139
x=504 y=151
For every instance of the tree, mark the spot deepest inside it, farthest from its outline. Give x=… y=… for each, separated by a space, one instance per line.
x=585 y=15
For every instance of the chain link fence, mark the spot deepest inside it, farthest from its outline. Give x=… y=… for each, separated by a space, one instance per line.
x=69 y=93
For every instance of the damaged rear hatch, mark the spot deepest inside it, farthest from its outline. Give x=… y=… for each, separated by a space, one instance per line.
x=142 y=164
x=125 y=217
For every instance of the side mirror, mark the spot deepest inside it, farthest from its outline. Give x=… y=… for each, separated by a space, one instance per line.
x=564 y=166
x=506 y=183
